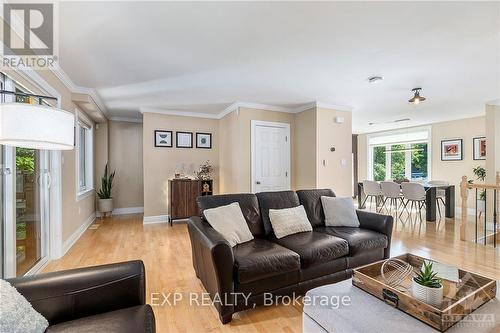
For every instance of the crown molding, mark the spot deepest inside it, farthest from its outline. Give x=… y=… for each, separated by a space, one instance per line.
x=66 y=80
x=180 y=113
x=334 y=107
x=126 y=119
x=237 y=105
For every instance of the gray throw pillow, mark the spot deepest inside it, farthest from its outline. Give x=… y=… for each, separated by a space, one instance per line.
x=16 y=313
x=230 y=223
x=339 y=212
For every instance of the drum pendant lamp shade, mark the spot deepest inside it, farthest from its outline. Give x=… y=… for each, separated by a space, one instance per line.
x=36 y=127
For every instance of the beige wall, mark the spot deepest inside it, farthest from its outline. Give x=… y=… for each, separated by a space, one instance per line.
x=334 y=169
x=160 y=164
x=312 y=133
x=305 y=149
x=493 y=142
x=74 y=213
x=125 y=158
x=450 y=171
x=101 y=152
x=241 y=144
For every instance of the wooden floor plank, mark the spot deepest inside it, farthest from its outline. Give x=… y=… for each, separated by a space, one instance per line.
x=166 y=253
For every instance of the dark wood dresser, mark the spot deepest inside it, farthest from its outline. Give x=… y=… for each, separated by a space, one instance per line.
x=183 y=194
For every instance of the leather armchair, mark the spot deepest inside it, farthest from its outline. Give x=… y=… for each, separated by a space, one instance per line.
x=107 y=298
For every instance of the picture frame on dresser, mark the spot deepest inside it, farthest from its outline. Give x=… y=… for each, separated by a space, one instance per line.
x=184 y=139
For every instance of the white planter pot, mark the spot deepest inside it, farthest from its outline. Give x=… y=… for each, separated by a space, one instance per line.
x=481 y=205
x=431 y=296
x=105 y=205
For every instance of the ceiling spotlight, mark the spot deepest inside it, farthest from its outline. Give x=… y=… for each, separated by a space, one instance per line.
x=375 y=79
x=416 y=99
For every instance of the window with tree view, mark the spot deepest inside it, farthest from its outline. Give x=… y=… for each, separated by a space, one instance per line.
x=394 y=158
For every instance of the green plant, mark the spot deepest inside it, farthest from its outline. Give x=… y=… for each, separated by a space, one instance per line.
x=106 y=184
x=480 y=173
x=427 y=277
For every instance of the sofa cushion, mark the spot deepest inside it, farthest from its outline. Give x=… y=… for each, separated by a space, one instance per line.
x=314 y=247
x=248 y=204
x=134 y=320
x=289 y=221
x=340 y=212
x=359 y=239
x=230 y=223
x=275 y=200
x=260 y=258
x=311 y=200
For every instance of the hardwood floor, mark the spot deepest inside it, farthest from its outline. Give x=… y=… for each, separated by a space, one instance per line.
x=166 y=253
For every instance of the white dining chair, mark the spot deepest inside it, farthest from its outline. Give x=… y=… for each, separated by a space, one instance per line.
x=392 y=191
x=414 y=193
x=440 y=193
x=372 y=190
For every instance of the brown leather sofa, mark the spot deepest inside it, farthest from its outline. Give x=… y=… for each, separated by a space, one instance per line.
x=292 y=264
x=107 y=298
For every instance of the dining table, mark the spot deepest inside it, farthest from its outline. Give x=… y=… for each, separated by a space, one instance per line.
x=430 y=200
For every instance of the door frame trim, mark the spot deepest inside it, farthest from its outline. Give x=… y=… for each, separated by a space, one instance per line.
x=254 y=124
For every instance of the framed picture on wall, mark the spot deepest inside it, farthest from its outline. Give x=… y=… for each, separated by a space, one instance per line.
x=479 y=148
x=184 y=139
x=163 y=138
x=452 y=150
x=204 y=140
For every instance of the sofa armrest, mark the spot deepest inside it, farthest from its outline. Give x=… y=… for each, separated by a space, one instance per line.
x=76 y=293
x=213 y=261
x=379 y=223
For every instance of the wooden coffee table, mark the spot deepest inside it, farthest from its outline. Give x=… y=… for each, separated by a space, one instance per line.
x=366 y=313
x=362 y=304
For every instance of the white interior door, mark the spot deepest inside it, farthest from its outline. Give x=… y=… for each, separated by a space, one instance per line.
x=270 y=156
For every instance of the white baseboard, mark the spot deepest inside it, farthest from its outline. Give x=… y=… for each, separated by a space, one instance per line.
x=155 y=219
x=128 y=210
x=125 y=211
x=68 y=243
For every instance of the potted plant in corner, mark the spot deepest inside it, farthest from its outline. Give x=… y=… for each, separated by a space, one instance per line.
x=426 y=287
x=105 y=201
x=480 y=173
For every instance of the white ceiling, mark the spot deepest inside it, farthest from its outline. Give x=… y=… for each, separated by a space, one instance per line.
x=201 y=57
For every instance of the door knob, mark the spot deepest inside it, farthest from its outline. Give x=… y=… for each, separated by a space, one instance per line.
x=257 y=182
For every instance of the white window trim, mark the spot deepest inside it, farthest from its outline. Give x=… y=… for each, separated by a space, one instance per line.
x=388 y=157
x=83 y=120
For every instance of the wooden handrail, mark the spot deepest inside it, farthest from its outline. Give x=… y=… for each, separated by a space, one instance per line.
x=483 y=186
x=465 y=226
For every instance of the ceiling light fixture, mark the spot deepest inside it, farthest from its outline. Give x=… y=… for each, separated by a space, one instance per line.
x=375 y=79
x=416 y=99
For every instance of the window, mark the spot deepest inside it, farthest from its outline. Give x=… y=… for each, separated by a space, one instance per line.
x=84 y=154
x=399 y=155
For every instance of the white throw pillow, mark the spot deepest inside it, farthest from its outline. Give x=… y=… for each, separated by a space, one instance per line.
x=16 y=313
x=289 y=221
x=230 y=223
x=339 y=212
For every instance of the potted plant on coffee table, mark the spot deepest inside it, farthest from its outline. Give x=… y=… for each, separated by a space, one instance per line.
x=426 y=287
x=105 y=201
